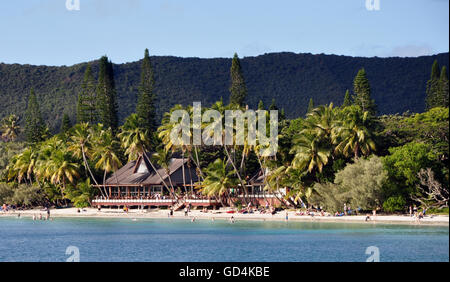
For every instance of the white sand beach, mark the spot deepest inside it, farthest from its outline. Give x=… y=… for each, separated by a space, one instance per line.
x=222 y=214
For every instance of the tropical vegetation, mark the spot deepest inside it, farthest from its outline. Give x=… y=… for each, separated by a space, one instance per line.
x=333 y=156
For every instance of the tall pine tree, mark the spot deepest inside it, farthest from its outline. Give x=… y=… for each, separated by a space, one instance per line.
x=106 y=95
x=432 y=92
x=260 y=105
x=66 y=124
x=362 y=93
x=34 y=124
x=443 y=88
x=347 y=101
x=238 y=88
x=86 y=106
x=145 y=108
x=310 y=105
x=273 y=106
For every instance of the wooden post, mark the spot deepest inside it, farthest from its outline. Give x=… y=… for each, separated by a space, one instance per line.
x=128 y=191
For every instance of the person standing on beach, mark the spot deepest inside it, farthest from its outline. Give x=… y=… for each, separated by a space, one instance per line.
x=287 y=216
x=410 y=211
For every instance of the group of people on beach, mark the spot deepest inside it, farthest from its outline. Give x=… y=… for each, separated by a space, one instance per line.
x=414 y=212
x=40 y=217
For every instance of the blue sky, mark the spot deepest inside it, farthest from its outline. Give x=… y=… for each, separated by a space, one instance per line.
x=44 y=32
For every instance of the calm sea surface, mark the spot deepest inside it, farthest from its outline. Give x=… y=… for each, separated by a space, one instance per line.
x=184 y=241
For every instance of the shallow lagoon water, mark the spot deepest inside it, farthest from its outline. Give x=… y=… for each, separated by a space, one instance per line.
x=180 y=240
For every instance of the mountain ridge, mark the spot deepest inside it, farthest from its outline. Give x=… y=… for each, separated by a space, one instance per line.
x=398 y=83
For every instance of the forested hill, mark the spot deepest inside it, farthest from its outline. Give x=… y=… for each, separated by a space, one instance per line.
x=398 y=84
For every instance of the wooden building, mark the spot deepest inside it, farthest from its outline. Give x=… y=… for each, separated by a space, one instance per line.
x=137 y=184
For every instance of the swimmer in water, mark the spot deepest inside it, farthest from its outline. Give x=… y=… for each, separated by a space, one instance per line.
x=232 y=219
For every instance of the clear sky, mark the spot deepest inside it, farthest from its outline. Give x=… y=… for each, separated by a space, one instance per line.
x=45 y=32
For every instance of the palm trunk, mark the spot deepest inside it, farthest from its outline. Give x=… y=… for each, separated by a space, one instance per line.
x=197 y=163
x=104 y=185
x=238 y=175
x=86 y=165
x=356 y=151
x=264 y=173
x=170 y=181
x=160 y=177
x=242 y=161
x=182 y=168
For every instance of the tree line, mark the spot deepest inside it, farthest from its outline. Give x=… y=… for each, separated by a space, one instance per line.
x=335 y=155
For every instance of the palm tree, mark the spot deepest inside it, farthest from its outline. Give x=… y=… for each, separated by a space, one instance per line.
x=310 y=152
x=135 y=141
x=288 y=177
x=80 y=145
x=219 y=180
x=163 y=158
x=353 y=135
x=63 y=169
x=320 y=121
x=219 y=106
x=23 y=165
x=10 y=127
x=104 y=152
x=173 y=143
x=43 y=170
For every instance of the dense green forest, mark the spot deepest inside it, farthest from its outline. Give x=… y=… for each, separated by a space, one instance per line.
x=335 y=155
x=398 y=84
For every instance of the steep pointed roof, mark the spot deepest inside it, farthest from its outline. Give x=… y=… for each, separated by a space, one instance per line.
x=140 y=172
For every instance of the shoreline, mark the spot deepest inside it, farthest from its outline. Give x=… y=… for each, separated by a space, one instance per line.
x=438 y=220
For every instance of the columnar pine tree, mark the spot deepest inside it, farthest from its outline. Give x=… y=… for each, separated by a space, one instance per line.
x=310 y=105
x=106 y=95
x=34 y=124
x=260 y=105
x=282 y=114
x=443 y=88
x=347 y=101
x=238 y=88
x=65 y=124
x=361 y=89
x=87 y=99
x=145 y=108
x=432 y=91
x=273 y=106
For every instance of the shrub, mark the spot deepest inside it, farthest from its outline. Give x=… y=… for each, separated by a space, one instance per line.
x=358 y=184
x=393 y=204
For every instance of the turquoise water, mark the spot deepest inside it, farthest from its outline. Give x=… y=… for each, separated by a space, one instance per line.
x=184 y=241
